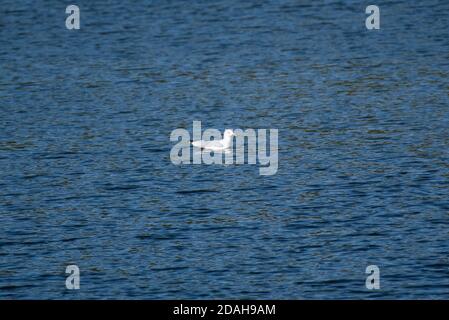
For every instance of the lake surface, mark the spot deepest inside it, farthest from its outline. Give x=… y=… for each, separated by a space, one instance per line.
x=86 y=176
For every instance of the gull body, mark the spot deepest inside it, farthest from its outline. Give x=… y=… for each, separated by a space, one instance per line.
x=216 y=145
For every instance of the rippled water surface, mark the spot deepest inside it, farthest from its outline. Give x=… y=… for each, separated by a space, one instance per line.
x=86 y=177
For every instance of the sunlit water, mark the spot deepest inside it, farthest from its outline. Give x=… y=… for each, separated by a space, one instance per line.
x=86 y=177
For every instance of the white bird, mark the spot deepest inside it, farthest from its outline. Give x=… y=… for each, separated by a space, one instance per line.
x=216 y=145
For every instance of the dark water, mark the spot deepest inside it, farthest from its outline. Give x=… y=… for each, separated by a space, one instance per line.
x=86 y=177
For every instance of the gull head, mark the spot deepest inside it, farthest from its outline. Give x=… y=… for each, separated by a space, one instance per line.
x=228 y=133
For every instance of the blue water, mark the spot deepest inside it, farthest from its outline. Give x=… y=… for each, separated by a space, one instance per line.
x=86 y=177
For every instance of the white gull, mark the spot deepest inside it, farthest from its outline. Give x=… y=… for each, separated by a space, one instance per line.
x=216 y=145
